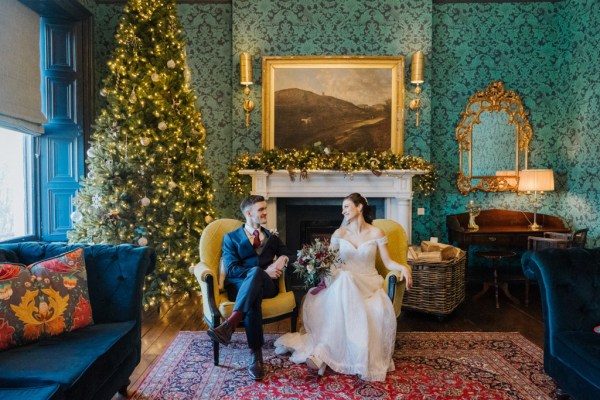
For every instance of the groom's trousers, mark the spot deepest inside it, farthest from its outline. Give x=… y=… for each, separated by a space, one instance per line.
x=249 y=286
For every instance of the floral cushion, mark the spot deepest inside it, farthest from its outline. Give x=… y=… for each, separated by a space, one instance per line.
x=44 y=299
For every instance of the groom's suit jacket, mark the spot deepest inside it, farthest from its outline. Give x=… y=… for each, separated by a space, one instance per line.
x=239 y=255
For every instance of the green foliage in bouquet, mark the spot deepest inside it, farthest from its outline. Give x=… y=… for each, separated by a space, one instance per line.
x=315 y=262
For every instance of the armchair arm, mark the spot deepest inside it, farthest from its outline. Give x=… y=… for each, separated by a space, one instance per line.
x=538 y=243
x=557 y=235
x=395 y=286
x=210 y=289
x=282 y=280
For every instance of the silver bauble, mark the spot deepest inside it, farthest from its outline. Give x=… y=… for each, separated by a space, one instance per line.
x=76 y=216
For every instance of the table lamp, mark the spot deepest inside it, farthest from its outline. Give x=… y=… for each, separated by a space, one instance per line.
x=537 y=181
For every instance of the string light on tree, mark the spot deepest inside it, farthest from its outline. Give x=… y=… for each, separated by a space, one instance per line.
x=149 y=116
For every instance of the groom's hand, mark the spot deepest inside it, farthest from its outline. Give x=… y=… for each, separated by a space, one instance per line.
x=276 y=269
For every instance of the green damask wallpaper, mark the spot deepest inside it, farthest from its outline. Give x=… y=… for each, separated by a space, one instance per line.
x=546 y=51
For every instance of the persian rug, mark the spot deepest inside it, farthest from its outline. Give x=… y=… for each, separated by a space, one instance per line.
x=465 y=365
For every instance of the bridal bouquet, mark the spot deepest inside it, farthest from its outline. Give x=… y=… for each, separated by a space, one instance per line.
x=314 y=262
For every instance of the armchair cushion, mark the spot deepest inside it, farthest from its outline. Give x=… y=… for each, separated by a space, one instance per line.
x=271 y=308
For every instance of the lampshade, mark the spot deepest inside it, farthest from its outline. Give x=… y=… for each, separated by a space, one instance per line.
x=416 y=68
x=531 y=180
x=245 y=69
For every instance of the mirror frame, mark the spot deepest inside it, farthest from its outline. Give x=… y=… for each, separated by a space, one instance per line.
x=493 y=99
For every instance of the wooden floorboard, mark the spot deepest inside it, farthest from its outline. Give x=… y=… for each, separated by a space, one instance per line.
x=184 y=313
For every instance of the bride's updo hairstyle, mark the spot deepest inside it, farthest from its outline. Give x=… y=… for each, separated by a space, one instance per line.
x=357 y=199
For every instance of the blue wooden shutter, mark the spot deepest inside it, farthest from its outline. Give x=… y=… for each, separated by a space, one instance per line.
x=61 y=147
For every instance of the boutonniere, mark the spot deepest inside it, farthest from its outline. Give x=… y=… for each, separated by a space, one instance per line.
x=274 y=232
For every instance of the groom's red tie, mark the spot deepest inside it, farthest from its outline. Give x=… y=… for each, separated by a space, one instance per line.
x=256 y=242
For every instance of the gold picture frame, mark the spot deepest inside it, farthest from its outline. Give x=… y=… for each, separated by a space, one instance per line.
x=348 y=103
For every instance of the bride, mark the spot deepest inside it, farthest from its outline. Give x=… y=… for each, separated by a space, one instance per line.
x=349 y=321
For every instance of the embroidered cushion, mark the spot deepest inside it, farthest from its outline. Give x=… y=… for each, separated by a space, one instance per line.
x=44 y=299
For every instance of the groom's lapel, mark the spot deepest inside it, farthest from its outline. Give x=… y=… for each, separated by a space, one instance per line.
x=243 y=241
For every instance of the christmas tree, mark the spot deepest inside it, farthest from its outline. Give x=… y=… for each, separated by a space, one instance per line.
x=147 y=183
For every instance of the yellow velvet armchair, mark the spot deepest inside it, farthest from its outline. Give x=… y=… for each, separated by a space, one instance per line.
x=398 y=249
x=216 y=305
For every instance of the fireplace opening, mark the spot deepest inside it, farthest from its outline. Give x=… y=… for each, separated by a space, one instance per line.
x=302 y=220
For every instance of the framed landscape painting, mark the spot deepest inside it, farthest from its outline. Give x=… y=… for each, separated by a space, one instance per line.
x=347 y=103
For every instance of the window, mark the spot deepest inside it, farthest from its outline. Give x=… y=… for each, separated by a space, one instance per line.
x=16 y=188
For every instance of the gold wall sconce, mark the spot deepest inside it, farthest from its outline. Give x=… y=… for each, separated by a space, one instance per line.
x=416 y=78
x=246 y=79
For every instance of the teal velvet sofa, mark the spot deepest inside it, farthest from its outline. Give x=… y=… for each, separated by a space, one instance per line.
x=569 y=283
x=93 y=362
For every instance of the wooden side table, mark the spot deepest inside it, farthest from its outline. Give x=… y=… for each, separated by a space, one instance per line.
x=495 y=256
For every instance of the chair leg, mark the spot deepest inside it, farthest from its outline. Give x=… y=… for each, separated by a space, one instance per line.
x=294 y=322
x=216 y=352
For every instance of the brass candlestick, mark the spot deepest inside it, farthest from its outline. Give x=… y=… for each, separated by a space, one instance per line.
x=474 y=211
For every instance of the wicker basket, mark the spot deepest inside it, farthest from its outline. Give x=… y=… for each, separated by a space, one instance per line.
x=438 y=287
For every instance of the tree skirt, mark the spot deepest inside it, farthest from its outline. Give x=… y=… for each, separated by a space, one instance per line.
x=445 y=365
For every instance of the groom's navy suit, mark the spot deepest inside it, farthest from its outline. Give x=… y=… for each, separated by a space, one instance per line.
x=246 y=280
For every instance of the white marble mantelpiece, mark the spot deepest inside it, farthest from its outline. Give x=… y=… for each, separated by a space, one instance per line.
x=394 y=186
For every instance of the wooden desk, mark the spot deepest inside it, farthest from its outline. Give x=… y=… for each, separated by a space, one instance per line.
x=499 y=228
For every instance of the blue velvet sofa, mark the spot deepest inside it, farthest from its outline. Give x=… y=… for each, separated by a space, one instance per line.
x=94 y=362
x=569 y=282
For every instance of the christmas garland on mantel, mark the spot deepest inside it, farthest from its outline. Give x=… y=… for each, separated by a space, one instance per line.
x=306 y=160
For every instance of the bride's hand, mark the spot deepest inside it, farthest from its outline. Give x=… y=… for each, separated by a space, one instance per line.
x=407 y=275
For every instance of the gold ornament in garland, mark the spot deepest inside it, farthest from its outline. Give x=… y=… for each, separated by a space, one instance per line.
x=299 y=163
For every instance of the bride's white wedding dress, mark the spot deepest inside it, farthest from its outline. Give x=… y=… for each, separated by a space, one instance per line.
x=350 y=325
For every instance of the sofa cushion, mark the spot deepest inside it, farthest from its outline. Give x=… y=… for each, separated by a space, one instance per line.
x=579 y=350
x=80 y=361
x=66 y=274
x=8 y=256
x=45 y=299
x=14 y=283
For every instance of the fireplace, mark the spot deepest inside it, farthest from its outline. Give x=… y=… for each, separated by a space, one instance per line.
x=301 y=220
x=393 y=188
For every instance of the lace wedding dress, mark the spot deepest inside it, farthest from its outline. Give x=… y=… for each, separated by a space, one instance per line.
x=350 y=325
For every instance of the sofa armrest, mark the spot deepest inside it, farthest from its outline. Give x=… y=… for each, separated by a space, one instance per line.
x=530 y=268
x=570 y=283
x=116 y=277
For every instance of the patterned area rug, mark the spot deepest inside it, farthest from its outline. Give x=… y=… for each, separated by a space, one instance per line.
x=466 y=365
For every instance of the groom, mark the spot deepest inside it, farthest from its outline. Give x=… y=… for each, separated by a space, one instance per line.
x=254 y=259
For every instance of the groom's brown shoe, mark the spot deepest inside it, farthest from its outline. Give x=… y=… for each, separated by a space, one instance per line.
x=221 y=333
x=256 y=367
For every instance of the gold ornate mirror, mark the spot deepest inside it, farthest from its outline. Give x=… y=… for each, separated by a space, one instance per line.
x=493 y=141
